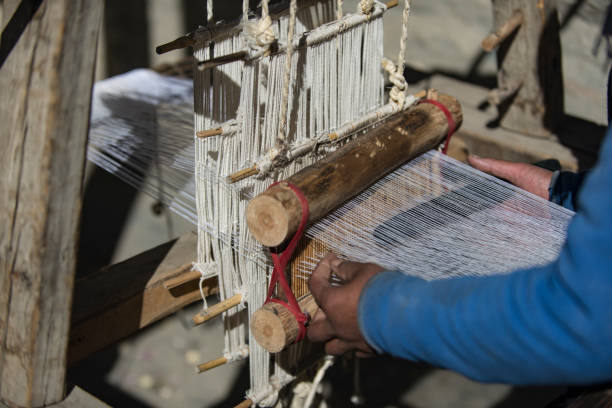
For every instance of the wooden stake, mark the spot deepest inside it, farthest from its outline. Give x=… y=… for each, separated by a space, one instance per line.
x=211 y=364
x=181 y=42
x=493 y=40
x=242 y=174
x=274 y=215
x=245 y=404
x=210 y=132
x=182 y=275
x=274 y=326
x=217 y=309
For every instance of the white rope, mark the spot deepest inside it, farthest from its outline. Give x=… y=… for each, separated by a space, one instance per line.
x=328 y=361
x=401 y=56
x=282 y=127
x=209 y=11
x=339 y=9
x=365 y=6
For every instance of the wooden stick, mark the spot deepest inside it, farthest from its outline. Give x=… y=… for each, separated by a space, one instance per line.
x=210 y=132
x=274 y=327
x=182 y=275
x=224 y=59
x=242 y=174
x=274 y=215
x=217 y=309
x=211 y=364
x=492 y=41
x=391 y=3
x=245 y=404
x=181 y=42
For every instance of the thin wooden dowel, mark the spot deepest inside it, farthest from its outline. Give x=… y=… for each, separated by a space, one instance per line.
x=181 y=42
x=242 y=174
x=224 y=59
x=210 y=132
x=209 y=365
x=492 y=41
x=217 y=309
x=183 y=275
x=245 y=404
x=391 y=3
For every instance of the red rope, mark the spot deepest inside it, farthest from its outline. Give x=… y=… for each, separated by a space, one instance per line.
x=280 y=264
x=449 y=119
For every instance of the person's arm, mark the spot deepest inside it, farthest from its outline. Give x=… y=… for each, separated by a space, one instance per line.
x=544 y=325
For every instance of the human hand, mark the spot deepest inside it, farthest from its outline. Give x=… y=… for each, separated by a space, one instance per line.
x=335 y=322
x=532 y=178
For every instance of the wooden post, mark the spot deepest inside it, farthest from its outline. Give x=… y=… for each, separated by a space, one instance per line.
x=274 y=215
x=46 y=82
x=529 y=67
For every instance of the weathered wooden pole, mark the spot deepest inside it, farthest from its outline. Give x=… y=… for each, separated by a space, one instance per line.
x=46 y=81
x=274 y=215
x=529 y=77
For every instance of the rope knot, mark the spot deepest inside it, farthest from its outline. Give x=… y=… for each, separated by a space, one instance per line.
x=365 y=6
x=259 y=35
x=397 y=94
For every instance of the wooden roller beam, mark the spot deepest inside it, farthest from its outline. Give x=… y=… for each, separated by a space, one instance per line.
x=274 y=215
x=274 y=326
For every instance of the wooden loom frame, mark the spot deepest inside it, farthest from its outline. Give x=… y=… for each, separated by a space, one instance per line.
x=43 y=137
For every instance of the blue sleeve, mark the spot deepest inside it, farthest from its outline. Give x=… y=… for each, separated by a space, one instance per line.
x=547 y=325
x=564 y=188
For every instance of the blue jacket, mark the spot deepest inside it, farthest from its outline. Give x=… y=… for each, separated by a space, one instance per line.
x=545 y=325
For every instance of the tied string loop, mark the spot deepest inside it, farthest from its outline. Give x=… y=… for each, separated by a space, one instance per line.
x=449 y=119
x=280 y=264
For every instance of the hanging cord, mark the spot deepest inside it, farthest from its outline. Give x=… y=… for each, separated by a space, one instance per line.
x=282 y=126
x=396 y=72
x=339 y=12
x=209 y=11
x=449 y=119
x=327 y=362
x=280 y=264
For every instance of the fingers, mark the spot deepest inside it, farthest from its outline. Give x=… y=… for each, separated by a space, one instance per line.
x=319 y=281
x=337 y=347
x=498 y=168
x=320 y=328
x=345 y=270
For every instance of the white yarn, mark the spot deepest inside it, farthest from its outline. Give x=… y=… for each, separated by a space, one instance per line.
x=328 y=361
x=365 y=6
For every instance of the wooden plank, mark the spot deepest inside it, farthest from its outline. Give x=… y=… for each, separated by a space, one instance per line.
x=46 y=81
x=529 y=68
x=76 y=398
x=122 y=299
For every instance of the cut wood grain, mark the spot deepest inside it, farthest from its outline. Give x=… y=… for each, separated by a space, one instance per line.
x=46 y=82
x=122 y=299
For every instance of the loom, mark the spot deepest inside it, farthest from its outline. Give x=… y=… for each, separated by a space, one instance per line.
x=296 y=95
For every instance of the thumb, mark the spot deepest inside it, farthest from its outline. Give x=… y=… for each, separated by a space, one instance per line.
x=498 y=168
x=319 y=283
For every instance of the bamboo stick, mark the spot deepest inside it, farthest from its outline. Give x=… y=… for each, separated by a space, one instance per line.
x=242 y=174
x=209 y=365
x=217 y=309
